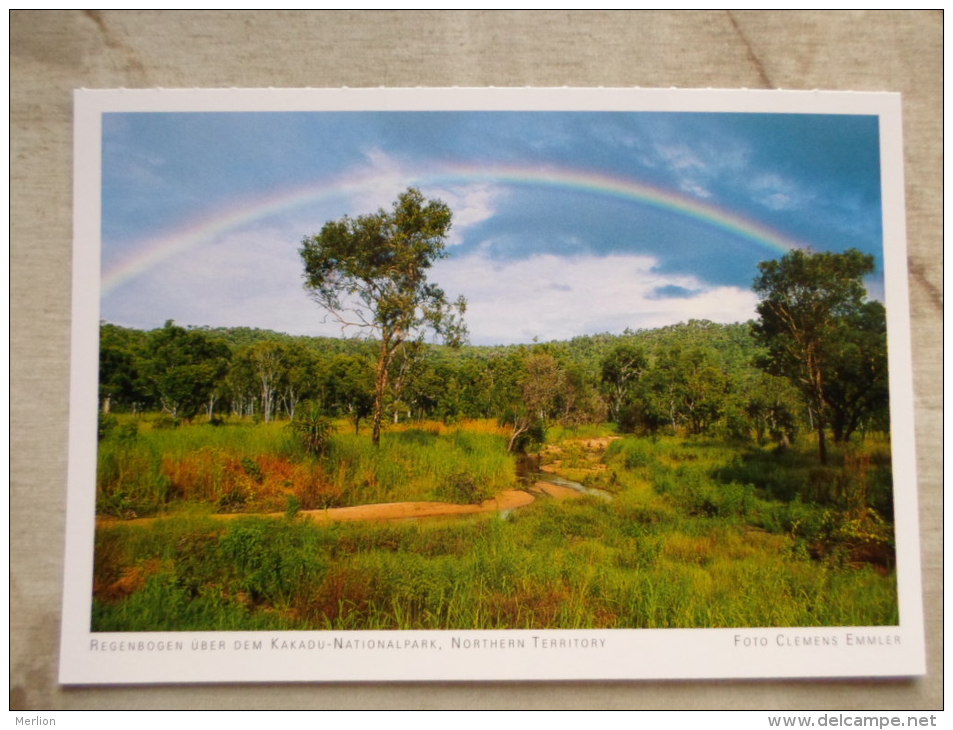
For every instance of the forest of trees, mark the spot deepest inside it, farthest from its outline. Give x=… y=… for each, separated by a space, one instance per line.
x=815 y=360
x=694 y=378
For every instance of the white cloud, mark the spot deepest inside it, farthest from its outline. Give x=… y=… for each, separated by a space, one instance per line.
x=777 y=193
x=253 y=279
x=471 y=204
x=247 y=279
x=694 y=188
x=697 y=166
x=681 y=157
x=384 y=178
x=553 y=297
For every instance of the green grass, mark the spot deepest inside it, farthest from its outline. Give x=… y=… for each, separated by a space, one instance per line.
x=578 y=564
x=420 y=464
x=557 y=432
x=261 y=467
x=699 y=533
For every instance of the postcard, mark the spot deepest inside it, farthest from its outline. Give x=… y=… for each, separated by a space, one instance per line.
x=489 y=384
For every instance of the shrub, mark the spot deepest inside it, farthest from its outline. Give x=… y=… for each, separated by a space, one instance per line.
x=533 y=433
x=313 y=428
x=253 y=469
x=165 y=422
x=294 y=507
x=130 y=480
x=634 y=453
x=106 y=424
x=271 y=559
x=313 y=488
x=462 y=488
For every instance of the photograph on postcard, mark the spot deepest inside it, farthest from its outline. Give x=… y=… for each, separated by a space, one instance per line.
x=434 y=379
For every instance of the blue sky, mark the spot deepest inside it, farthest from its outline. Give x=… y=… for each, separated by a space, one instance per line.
x=565 y=223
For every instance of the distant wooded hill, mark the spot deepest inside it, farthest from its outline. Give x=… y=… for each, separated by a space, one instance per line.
x=694 y=377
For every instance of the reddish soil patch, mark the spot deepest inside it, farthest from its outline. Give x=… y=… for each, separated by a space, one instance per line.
x=509 y=499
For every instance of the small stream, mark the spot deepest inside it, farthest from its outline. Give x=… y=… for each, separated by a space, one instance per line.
x=559 y=481
x=528 y=472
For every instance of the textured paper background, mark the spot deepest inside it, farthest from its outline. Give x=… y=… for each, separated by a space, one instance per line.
x=53 y=52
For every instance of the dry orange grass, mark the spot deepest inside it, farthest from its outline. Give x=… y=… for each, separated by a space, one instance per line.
x=263 y=483
x=132 y=579
x=472 y=425
x=530 y=606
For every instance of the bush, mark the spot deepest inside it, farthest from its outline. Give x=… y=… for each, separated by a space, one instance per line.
x=463 y=488
x=533 y=435
x=780 y=476
x=796 y=518
x=313 y=428
x=272 y=560
x=639 y=418
x=252 y=469
x=294 y=507
x=633 y=453
x=165 y=422
x=111 y=427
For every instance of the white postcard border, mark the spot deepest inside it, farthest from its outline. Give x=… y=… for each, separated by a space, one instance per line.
x=176 y=657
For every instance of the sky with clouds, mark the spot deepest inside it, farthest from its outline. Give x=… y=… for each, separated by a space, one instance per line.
x=564 y=223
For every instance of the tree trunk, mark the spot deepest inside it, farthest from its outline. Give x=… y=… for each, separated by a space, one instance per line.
x=816 y=377
x=821 y=442
x=518 y=430
x=380 y=390
x=267 y=396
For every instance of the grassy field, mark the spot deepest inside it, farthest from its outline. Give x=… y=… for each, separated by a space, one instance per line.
x=697 y=533
x=146 y=469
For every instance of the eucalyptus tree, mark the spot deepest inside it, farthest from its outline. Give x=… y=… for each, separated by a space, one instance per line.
x=857 y=389
x=370 y=274
x=809 y=304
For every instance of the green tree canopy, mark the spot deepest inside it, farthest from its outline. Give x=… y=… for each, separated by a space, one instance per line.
x=118 y=374
x=183 y=368
x=857 y=388
x=808 y=302
x=621 y=370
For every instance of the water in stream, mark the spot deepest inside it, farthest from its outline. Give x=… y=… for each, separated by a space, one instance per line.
x=528 y=472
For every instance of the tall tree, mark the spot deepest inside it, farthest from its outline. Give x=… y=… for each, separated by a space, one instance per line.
x=267 y=359
x=301 y=379
x=621 y=370
x=351 y=382
x=857 y=391
x=806 y=299
x=694 y=384
x=370 y=273
x=540 y=383
x=118 y=377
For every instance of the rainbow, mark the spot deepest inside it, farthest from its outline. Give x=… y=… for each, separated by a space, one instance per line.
x=155 y=250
